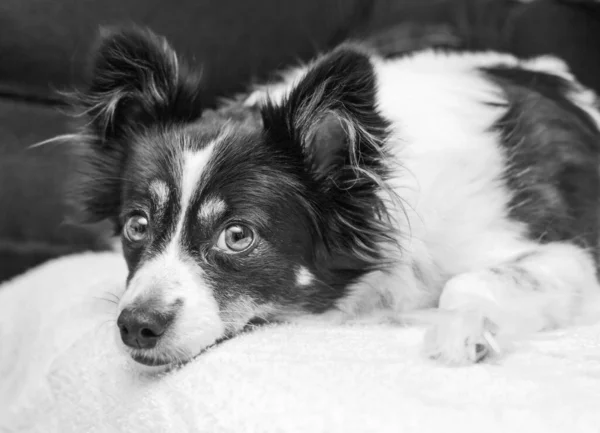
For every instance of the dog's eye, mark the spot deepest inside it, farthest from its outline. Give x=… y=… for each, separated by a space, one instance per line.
x=236 y=238
x=136 y=228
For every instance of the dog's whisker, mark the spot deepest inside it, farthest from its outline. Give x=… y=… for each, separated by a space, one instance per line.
x=63 y=138
x=112 y=301
x=116 y=297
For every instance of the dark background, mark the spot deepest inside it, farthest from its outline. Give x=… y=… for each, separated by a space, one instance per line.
x=44 y=45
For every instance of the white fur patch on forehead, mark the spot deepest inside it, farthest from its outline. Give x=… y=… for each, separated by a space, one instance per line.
x=194 y=163
x=159 y=191
x=303 y=276
x=193 y=166
x=212 y=208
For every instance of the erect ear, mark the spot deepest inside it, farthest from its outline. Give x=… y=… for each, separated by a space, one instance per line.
x=137 y=80
x=331 y=115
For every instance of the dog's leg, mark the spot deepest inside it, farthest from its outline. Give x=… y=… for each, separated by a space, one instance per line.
x=552 y=286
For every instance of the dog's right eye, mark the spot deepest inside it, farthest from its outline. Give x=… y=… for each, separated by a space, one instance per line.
x=136 y=228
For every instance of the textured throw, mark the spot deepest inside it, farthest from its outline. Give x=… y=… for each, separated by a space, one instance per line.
x=61 y=371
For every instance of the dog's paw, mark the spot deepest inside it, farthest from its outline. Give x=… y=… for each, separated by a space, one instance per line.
x=461 y=337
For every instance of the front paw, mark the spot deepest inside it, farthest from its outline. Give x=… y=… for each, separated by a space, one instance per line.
x=461 y=338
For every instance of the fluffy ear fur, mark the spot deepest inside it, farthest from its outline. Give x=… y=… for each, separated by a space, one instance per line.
x=332 y=115
x=136 y=83
x=137 y=80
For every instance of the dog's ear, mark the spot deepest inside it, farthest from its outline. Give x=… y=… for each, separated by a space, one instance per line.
x=137 y=81
x=331 y=115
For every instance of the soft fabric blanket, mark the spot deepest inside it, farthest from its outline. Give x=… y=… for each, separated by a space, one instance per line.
x=61 y=371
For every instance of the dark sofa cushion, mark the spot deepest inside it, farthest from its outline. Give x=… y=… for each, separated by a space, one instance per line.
x=44 y=43
x=34 y=213
x=568 y=29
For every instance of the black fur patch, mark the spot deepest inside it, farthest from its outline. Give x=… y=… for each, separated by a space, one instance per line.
x=553 y=149
x=137 y=80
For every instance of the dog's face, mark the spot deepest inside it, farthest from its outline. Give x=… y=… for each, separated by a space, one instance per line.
x=216 y=231
x=231 y=215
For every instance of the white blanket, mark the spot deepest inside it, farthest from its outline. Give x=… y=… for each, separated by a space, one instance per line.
x=61 y=371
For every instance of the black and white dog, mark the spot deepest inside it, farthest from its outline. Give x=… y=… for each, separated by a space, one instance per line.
x=355 y=185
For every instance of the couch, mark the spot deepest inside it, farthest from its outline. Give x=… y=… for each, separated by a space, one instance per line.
x=44 y=46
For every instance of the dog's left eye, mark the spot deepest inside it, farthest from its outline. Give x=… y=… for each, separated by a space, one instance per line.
x=136 y=228
x=236 y=238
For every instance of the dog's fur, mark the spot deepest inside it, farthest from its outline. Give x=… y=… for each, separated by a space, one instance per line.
x=464 y=181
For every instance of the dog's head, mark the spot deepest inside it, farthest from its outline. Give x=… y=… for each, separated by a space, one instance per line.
x=235 y=214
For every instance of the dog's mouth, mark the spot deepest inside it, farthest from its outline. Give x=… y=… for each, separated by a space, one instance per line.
x=159 y=361
x=150 y=361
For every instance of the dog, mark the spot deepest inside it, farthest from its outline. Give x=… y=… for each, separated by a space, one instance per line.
x=461 y=183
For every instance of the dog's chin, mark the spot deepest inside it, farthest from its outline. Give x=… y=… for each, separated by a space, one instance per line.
x=165 y=362
x=150 y=361
x=158 y=362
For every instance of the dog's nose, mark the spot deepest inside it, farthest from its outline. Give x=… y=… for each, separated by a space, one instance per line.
x=141 y=328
